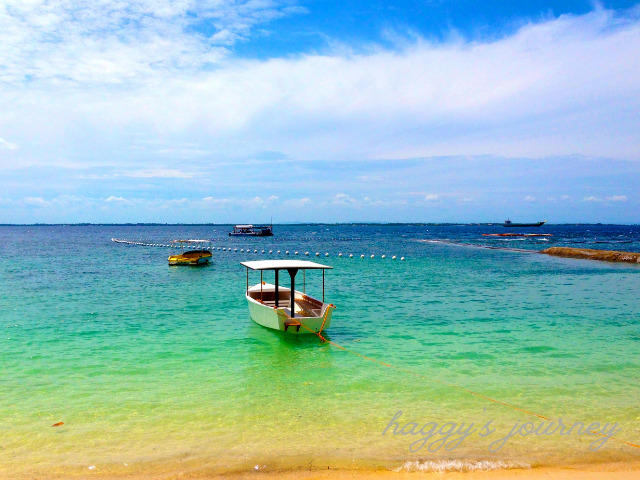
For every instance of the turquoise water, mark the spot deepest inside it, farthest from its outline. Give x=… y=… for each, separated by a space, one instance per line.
x=157 y=367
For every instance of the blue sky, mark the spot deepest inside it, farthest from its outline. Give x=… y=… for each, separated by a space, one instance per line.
x=239 y=111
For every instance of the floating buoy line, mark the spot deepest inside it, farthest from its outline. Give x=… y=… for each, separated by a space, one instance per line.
x=257 y=250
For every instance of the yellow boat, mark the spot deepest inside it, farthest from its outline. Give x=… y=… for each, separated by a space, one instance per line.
x=190 y=257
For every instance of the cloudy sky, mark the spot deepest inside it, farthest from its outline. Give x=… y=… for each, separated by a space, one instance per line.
x=319 y=110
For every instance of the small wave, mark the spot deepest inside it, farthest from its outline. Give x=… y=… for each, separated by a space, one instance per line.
x=442 y=466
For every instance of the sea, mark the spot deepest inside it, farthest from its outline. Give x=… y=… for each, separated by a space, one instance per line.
x=448 y=351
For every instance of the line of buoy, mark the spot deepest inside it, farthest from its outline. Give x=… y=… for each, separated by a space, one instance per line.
x=242 y=250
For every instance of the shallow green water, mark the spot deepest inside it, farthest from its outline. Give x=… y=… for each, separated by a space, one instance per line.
x=155 y=366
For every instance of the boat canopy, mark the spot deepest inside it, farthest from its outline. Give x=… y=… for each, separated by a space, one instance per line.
x=284 y=265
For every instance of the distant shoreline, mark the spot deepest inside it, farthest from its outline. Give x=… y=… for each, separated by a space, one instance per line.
x=295 y=224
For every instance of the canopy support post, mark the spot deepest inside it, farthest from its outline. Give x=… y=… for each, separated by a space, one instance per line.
x=277 y=294
x=261 y=282
x=323 y=285
x=247 y=281
x=292 y=302
x=304 y=283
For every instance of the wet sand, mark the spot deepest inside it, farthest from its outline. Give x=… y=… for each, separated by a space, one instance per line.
x=599 y=471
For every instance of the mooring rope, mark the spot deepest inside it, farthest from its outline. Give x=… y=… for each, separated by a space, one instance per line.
x=441 y=382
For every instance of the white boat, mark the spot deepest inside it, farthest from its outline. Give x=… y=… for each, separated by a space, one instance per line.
x=252 y=231
x=274 y=306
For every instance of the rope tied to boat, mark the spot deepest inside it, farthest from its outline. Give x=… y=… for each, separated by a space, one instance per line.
x=435 y=380
x=295 y=321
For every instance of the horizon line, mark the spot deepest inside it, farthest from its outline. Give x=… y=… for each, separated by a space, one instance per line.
x=159 y=224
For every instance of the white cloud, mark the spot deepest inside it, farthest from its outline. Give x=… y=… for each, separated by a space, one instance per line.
x=157 y=173
x=530 y=199
x=614 y=198
x=431 y=197
x=148 y=173
x=7 y=145
x=90 y=91
x=343 y=199
x=219 y=202
x=297 y=202
x=108 y=41
x=35 y=202
x=118 y=200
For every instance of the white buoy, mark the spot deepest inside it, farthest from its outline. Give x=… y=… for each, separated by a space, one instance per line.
x=393 y=258
x=278 y=251
x=255 y=251
x=401 y=259
x=326 y=254
x=262 y=251
x=270 y=251
x=306 y=253
x=242 y=249
x=339 y=254
x=351 y=255
x=361 y=256
x=295 y=253
x=372 y=256
x=384 y=256
x=317 y=254
x=235 y=249
x=287 y=252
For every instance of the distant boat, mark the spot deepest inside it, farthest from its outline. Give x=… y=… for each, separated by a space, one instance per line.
x=509 y=223
x=252 y=231
x=518 y=235
x=190 y=257
x=287 y=309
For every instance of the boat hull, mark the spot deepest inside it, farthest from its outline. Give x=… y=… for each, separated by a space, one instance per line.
x=193 y=258
x=231 y=234
x=520 y=225
x=277 y=319
x=187 y=263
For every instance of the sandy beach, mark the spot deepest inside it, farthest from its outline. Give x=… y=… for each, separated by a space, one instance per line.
x=605 y=471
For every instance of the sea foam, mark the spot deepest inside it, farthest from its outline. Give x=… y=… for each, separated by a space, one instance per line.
x=442 y=466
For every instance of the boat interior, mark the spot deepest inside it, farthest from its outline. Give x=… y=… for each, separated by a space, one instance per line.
x=196 y=253
x=305 y=305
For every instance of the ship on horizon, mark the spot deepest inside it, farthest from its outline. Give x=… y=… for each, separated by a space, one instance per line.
x=252 y=231
x=509 y=223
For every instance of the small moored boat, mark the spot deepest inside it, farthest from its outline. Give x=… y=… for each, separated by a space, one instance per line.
x=190 y=257
x=287 y=309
